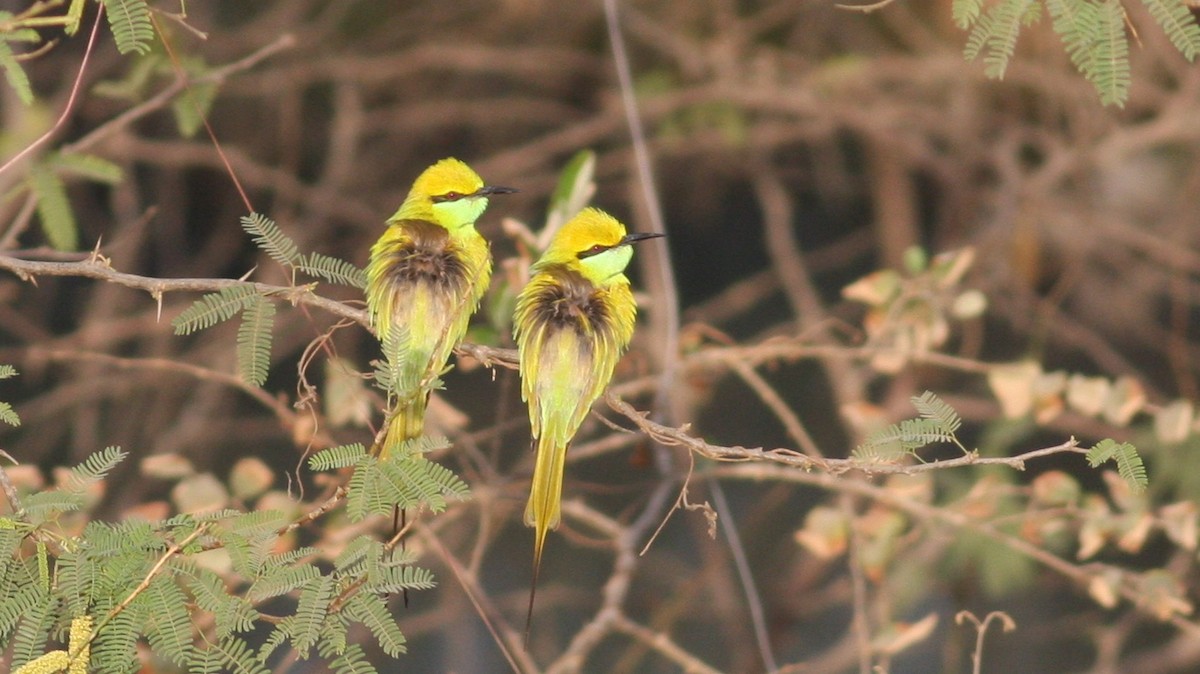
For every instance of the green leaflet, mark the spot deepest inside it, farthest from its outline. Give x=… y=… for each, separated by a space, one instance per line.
x=130 y=23
x=254 y=341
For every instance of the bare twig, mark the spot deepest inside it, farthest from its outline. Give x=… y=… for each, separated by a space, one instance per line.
x=10 y=490
x=28 y=270
x=62 y=118
x=788 y=457
x=745 y=576
x=981 y=626
x=663 y=644
x=509 y=642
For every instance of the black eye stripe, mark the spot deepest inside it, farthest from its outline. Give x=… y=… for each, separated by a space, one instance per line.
x=449 y=196
x=594 y=250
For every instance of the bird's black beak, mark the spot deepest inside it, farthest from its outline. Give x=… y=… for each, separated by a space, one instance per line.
x=495 y=189
x=639 y=236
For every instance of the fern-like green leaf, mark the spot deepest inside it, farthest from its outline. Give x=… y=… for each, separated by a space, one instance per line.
x=1129 y=462
x=965 y=12
x=232 y=613
x=170 y=627
x=13 y=72
x=363 y=496
x=351 y=661
x=271 y=239
x=74 y=16
x=333 y=270
x=903 y=438
x=334 y=458
x=367 y=608
x=1178 y=22
x=281 y=580
x=396 y=374
x=1111 y=77
x=130 y=23
x=981 y=33
x=45 y=505
x=8 y=415
x=1008 y=17
x=310 y=614
x=385 y=578
x=931 y=407
x=88 y=166
x=254 y=341
x=94 y=468
x=7 y=371
x=191 y=108
x=53 y=208
x=1033 y=14
x=24 y=598
x=406 y=480
x=115 y=649
x=227 y=656
x=1075 y=23
x=29 y=640
x=214 y=308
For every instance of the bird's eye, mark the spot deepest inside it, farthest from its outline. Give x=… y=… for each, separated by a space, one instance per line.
x=594 y=250
x=449 y=196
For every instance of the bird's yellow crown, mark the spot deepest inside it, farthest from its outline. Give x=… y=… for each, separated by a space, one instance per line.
x=448 y=193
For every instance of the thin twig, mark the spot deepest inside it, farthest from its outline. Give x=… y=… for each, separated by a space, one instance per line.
x=742 y=565
x=162 y=98
x=96 y=269
x=10 y=490
x=483 y=607
x=858 y=586
x=62 y=118
x=666 y=292
x=789 y=457
x=182 y=76
x=662 y=643
x=786 y=415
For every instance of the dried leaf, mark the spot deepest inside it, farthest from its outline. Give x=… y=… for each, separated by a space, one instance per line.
x=874 y=289
x=1106 y=588
x=1012 y=384
x=166 y=466
x=347 y=399
x=1163 y=594
x=969 y=304
x=1126 y=399
x=199 y=494
x=1135 y=532
x=1173 y=423
x=824 y=533
x=1179 y=522
x=1055 y=488
x=1087 y=395
x=250 y=477
x=950 y=267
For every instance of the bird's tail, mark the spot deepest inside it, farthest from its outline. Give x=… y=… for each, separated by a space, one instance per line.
x=407 y=422
x=543 y=510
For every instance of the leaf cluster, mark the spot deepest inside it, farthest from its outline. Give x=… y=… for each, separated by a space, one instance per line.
x=1092 y=32
x=256 y=309
x=144 y=585
x=406 y=480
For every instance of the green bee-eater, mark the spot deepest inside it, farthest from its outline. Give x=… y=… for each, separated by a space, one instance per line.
x=573 y=321
x=426 y=276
